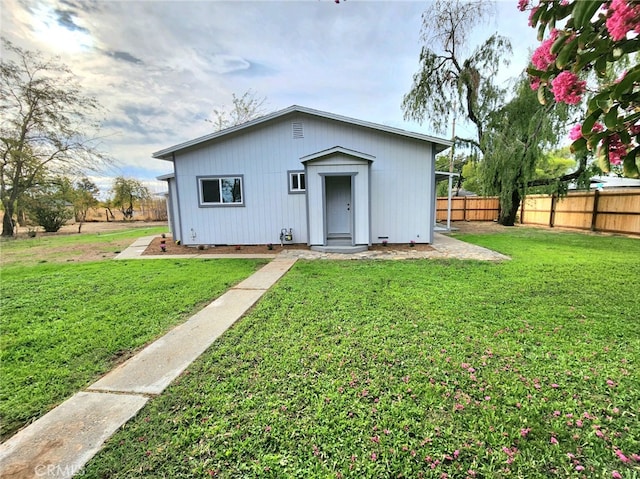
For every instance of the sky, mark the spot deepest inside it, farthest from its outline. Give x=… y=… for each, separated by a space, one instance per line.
x=160 y=68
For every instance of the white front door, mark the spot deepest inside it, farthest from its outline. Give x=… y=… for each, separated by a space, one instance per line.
x=338 y=206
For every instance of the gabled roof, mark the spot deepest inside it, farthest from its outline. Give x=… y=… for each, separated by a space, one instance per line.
x=333 y=151
x=167 y=153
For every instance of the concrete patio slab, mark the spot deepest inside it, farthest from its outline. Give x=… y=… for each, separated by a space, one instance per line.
x=443 y=247
x=59 y=444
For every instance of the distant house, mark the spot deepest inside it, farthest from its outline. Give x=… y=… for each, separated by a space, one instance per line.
x=608 y=182
x=303 y=176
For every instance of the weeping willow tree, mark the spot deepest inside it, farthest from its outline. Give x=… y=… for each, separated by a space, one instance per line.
x=453 y=79
x=517 y=136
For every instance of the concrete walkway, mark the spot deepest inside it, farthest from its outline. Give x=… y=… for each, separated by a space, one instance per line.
x=59 y=444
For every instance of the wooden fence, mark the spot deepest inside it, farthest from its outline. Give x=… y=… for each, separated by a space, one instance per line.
x=614 y=211
x=468 y=208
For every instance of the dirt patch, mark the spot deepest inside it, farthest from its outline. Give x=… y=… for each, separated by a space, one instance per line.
x=26 y=250
x=172 y=249
x=479 y=227
x=90 y=227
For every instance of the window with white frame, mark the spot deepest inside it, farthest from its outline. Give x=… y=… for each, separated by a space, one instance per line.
x=221 y=191
x=297 y=182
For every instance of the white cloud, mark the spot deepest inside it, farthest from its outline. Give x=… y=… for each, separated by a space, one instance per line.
x=160 y=68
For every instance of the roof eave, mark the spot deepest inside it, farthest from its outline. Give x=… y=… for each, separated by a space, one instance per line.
x=163 y=154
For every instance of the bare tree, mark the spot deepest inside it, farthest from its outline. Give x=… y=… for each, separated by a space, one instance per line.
x=245 y=108
x=45 y=126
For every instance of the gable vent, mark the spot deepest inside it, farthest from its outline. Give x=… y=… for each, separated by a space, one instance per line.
x=296 y=127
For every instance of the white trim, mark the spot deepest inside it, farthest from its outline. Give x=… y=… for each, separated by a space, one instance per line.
x=337 y=149
x=221 y=203
x=301 y=176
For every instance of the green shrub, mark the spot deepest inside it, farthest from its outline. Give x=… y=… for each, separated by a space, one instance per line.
x=51 y=214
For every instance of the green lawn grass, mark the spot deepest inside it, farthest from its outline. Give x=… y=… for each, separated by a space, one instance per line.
x=444 y=369
x=63 y=325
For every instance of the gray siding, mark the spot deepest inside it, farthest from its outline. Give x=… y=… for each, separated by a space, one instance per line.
x=401 y=182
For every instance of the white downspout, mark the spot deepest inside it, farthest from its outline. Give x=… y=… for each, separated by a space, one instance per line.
x=449 y=203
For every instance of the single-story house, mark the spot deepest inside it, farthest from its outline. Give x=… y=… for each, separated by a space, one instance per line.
x=300 y=175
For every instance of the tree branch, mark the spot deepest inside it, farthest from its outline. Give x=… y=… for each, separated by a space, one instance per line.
x=582 y=165
x=467 y=141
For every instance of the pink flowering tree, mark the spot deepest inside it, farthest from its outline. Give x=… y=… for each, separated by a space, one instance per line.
x=582 y=42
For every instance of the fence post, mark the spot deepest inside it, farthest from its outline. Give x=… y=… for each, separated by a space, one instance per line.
x=464 y=208
x=594 y=214
x=552 y=213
